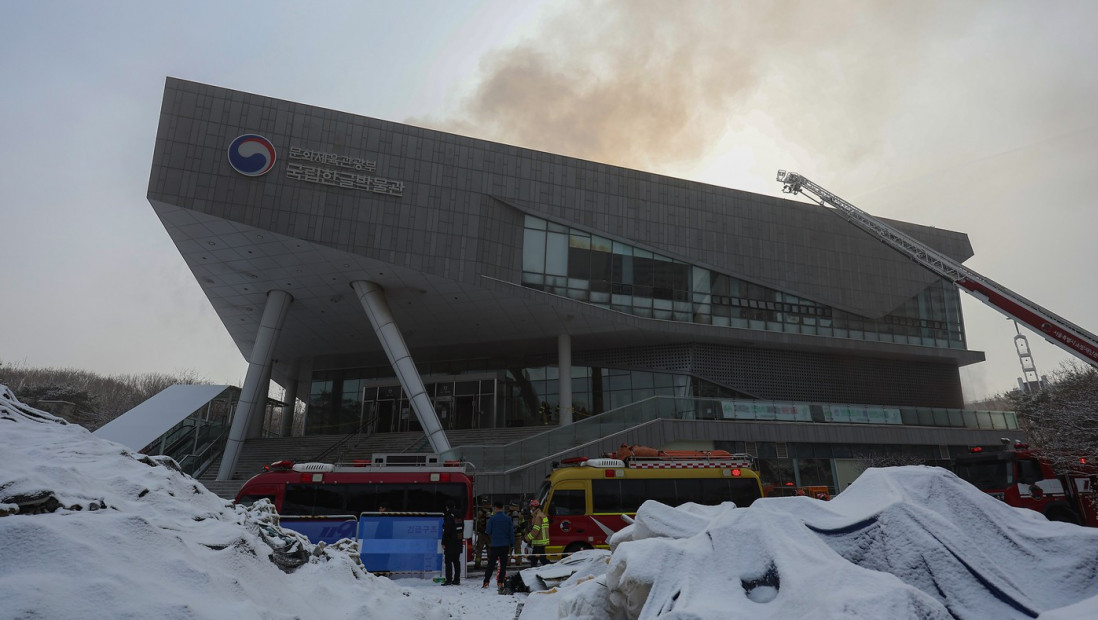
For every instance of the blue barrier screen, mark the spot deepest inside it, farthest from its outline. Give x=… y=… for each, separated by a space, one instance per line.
x=401 y=544
x=323 y=529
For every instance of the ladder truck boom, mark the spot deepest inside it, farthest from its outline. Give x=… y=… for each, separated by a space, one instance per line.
x=1055 y=329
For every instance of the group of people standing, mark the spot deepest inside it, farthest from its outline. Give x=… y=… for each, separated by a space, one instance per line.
x=502 y=534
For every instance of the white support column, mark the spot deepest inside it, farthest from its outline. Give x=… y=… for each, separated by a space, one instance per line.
x=300 y=387
x=285 y=429
x=372 y=298
x=259 y=415
x=564 y=377
x=253 y=395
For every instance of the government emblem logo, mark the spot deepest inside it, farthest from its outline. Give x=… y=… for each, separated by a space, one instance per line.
x=252 y=155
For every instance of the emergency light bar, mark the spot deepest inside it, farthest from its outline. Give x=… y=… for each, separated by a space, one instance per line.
x=313 y=468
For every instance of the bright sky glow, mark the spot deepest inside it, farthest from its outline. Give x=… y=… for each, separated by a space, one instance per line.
x=975 y=116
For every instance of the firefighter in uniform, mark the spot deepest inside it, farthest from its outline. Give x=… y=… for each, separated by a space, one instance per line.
x=479 y=524
x=538 y=536
x=518 y=520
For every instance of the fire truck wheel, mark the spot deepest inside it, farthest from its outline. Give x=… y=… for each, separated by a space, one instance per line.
x=576 y=546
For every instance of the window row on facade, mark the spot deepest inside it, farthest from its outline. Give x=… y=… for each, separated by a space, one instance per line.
x=345 y=402
x=613 y=275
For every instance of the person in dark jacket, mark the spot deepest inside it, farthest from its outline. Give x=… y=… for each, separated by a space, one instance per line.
x=501 y=535
x=452 y=529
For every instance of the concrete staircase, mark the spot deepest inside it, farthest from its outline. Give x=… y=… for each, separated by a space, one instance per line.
x=255 y=453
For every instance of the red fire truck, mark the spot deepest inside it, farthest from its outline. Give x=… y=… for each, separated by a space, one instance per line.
x=324 y=500
x=1022 y=478
x=585 y=498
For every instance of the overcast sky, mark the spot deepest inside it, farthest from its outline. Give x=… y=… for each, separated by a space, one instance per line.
x=969 y=116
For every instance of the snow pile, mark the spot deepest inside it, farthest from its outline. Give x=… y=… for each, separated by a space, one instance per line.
x=88 y=528
x=553 y=587
x=91 y=529
x=911 y=542
x=978 y=556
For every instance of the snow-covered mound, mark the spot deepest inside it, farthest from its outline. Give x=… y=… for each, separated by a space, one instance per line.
x=912 y=542
x=89 y=529
x=978 y=556
x=553 y=587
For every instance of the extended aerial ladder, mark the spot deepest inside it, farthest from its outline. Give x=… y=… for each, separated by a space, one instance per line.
x=1057 y=330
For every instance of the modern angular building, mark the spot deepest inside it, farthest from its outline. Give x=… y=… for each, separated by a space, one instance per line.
x=399 y=278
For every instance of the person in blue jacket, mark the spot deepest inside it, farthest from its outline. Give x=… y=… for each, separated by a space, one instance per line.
x=501 y=535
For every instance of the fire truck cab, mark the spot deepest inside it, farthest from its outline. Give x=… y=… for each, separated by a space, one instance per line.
x=1022 y=478
x=586 y=498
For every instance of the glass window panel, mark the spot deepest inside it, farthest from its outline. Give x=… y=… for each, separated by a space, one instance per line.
x=956 y=418
x=579 y=239
x=815 y=472
x=689 y=490
x=299 y=499
x=557 y=228
x=606 y=497
x=533 y=251
x=643 y=270
x=620 y=398
x=970 y=419
x=535 y=223
x=941 y=417
x=556 y=254
x=700 y=280
x=567 y=502
x=601 y=266
x=620 y=381
x=579 y=263
x=659 y=489
x=599 y=244
x=622 y=269
x=361 y=497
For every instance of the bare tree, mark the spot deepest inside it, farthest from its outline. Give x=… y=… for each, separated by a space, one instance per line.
x=1061 y=420
x=89 y=399
x=881 y=459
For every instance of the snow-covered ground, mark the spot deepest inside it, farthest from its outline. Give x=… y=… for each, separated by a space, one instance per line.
x=91 y=529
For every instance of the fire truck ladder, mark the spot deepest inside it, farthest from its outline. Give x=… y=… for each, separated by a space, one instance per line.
x=1056 y=330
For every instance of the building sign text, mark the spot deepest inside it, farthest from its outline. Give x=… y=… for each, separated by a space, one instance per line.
x=349 y=178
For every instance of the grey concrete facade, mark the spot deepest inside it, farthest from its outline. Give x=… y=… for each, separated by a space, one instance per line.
x=437 y=220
